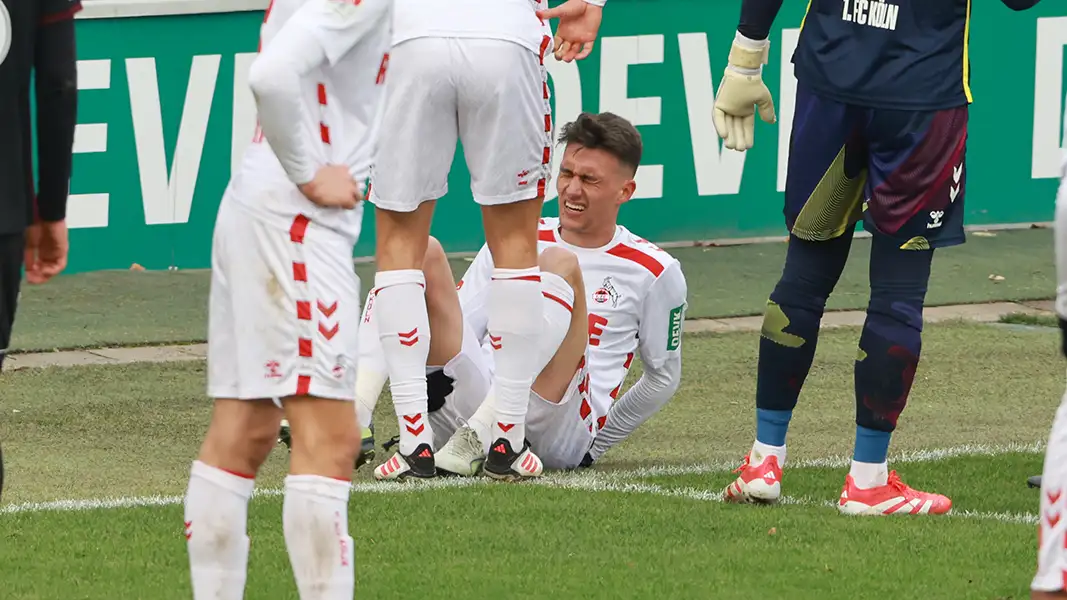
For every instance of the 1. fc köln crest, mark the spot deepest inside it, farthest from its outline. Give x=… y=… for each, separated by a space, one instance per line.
x=606 y=292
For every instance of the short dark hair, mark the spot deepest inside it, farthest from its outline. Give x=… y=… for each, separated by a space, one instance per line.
x=608 y=132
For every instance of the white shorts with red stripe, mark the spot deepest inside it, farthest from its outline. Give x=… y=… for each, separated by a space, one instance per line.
x=1052 y=525
x=283 y=309
x=491 y=95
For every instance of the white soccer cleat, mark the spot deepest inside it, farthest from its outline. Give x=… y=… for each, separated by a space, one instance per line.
x=462 y=455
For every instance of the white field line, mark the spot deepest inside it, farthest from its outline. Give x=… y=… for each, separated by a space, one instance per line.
x=591 y=481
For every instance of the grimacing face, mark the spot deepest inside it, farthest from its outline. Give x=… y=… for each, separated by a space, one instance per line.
x=592 y=185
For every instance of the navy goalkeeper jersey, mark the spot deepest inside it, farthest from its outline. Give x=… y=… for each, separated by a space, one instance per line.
x=902 y=54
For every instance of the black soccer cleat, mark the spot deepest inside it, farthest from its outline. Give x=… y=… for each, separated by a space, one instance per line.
x=285 y=436
x=504 y=464
x=419 y=464
x=366 y=447
x=1034 y=481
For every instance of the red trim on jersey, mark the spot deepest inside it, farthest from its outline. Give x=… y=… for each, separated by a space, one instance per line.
x=322 y=94
x=300 y=272
x=303 y=310
x=546 y=235
x=522 y=278
x=380 y=79
x=561 y=301
x=637 y=256
x=266 y=15
x=305 y=347
x=324 y=131
x=545 y=41
x=62 y=16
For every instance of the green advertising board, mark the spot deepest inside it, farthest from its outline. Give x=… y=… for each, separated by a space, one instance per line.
x=165 y=112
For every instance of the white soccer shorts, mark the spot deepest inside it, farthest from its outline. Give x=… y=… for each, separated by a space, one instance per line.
x=283 y=310
x=491 y=95
x=1052 y=525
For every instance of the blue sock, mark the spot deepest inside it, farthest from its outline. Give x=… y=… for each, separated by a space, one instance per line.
x=872 y=446
x=772 y=425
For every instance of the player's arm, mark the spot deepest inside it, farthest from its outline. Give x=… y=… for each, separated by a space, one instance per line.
x=320 y=32
x=757 y=16
x=474 y=293
x=660 y=348
x=56 y=90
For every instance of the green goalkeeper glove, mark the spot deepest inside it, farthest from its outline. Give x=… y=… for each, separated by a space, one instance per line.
x=740 y=90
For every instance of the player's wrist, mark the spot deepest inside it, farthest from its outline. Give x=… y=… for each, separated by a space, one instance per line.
x=747 y=56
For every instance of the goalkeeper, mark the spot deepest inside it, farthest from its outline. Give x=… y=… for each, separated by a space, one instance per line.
x=879 y=135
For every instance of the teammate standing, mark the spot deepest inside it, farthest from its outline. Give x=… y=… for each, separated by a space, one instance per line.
x=1050 y=581
x=37 y=38
x=880 y=134
x=470 y=71
x=284 y=303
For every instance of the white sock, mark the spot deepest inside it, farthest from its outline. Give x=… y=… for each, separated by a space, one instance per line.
x=869 y=475
x=315 y=520
x=369 y=384
x=216 y=525
x=404 y=331
x=761 y=451
x=372 y=372
x=482 y=420
x=516 y=316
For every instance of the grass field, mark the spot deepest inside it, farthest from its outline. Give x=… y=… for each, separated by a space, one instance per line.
x=99 y=456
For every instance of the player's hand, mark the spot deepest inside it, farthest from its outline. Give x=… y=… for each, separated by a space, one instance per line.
x=47 y=247
x=740 y=91
x=333 y=187
x=578 y=25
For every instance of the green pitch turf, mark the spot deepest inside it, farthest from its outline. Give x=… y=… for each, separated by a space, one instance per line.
x=137 y=308
x=643 y=523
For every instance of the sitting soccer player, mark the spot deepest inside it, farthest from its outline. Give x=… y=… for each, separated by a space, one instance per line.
x=608 y=296
x=880 y=135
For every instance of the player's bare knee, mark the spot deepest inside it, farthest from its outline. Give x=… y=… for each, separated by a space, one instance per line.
x=562 y=262
x=241 y=436
x=326 y=436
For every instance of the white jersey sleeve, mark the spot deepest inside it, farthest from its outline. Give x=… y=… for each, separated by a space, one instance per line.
x=320 y=32
x=474 y=293
x=660 y=348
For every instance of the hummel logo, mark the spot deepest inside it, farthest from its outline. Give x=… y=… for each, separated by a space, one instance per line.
x=409 y=338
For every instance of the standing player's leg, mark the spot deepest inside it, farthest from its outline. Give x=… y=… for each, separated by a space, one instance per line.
x=915 y=196
x=505 y=124
x=560 y=354
x=241 y=434
x=415 y=153
x=824 y=186
x=1050 y=581
x=11 y=248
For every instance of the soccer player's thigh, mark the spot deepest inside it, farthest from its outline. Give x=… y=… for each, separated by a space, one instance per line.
x=826 y=170
x=505 y=120
x=325 y=298
x=418 y=128
x=471 y=374
x=916 y=186
x=241 y=378
x=1052 y=524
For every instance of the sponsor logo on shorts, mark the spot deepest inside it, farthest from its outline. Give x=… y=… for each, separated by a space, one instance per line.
x=273 y=369
x=674 y=336
x=935 y=219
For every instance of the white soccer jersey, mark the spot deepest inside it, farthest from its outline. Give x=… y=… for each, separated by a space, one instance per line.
x=636 y=299
x=510 y=20
x=318 y=81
